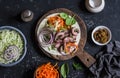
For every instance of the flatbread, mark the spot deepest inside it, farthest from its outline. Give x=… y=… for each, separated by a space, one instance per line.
x=43 y=23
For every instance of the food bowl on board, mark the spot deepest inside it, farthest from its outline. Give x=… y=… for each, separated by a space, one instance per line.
x=101 y=35
x=12 y=46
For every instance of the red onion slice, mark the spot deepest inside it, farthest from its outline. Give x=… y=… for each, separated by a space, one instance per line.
x=45 y=37
x=75 y=31
x=11 y=53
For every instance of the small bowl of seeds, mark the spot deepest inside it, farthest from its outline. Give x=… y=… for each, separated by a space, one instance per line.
x=101 y=35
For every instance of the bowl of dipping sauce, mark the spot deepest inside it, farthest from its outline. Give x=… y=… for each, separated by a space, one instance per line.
x=101 y=35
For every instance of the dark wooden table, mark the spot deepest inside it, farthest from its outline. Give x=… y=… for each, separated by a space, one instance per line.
x=10 y=15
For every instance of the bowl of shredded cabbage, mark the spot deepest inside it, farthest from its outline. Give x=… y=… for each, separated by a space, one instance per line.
x=12 y=46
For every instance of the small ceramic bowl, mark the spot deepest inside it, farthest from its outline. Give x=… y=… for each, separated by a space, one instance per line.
x=95 y=6
x=40 y=66
x=24 y=47
x=109 y=35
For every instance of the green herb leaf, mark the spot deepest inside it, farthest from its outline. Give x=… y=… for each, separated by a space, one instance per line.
x=77 y=66
x=64 y=70
x=73 y=21
x=70 y=21
x=63 y=15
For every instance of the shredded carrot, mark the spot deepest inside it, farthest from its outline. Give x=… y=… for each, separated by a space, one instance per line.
x=54 y=19
x=47 y=71
x=69 y=45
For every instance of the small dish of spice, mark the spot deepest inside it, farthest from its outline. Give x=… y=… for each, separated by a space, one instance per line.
x=101 y=35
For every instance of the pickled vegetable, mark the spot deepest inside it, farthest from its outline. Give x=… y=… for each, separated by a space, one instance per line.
x=101 y=36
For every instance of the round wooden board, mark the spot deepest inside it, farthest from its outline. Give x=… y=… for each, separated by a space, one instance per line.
x=82 y=29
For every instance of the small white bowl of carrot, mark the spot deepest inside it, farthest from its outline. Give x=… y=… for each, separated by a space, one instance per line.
x=47 y=71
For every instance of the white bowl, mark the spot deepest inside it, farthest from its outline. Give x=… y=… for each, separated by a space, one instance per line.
x=100 y=4
x=101 y=27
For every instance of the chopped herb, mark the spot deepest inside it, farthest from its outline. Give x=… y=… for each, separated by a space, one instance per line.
x=77 y=66
x=53 y=47
x=47 y=36
x=51 y=24
x=49 y=48
x=54 y=30
x=64 y=70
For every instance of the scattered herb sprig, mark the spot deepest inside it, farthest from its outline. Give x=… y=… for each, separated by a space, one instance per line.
x=52 y=47
x=77 y=66
x=64 y=70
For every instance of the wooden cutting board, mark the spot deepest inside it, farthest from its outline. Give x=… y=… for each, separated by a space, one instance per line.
x=87 y=59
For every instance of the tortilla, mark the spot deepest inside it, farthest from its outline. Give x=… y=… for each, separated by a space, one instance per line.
x=43 y=23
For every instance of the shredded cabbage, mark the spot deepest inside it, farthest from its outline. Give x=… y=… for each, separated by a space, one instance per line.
x=7 y=38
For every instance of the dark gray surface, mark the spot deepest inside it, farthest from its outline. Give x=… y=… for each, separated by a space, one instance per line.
x=10 y=15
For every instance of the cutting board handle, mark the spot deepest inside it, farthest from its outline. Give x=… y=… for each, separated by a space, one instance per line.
x=85 y=58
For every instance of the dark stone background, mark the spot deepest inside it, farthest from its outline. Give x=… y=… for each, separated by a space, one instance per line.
x=10 y=15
